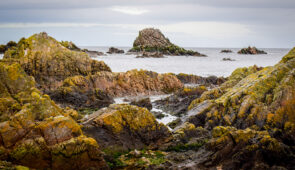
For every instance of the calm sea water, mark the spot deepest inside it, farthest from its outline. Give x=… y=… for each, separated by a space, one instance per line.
x=203 y=66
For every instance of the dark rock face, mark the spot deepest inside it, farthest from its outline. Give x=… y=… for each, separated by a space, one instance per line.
x=226 y=51
x=38 y=134
x=124 y=127
x=145 y=102
x=228 y=59
x=152 y=40
x=151 y=55
x=205 y=81
x=251 y=50
x=114 y=50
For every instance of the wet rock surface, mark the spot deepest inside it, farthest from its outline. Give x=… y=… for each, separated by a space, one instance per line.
x=145 y=102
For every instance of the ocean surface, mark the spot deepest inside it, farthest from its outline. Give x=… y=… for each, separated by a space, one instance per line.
x=202 y=66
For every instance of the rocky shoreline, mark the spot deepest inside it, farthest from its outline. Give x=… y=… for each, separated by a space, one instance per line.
x=58 y=111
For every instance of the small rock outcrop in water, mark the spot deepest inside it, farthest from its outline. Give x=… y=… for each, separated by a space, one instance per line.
x=123 y=127
x=251 y=50
x=228 y=59
x=151 y=55
x=35 y=132
x=113 y=50
x=226 y=51
x=152 y=40
x=93 y=54
x=145 y=102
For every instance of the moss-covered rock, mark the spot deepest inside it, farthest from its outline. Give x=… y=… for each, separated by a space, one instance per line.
x=152 y=40
x=124 y=127
x=35 y=132
x=50 y=62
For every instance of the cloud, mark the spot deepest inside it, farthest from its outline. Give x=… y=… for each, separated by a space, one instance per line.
x=129 y=10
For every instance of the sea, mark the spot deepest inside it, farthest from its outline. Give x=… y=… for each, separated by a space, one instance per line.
x=202 y=66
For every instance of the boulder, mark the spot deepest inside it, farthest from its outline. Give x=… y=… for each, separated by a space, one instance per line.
x=251 y=50
x=35 y=132
x=153 y=40
x=123 y=127
x=113 y=50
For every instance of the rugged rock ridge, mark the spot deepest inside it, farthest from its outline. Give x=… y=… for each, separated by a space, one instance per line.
x=50 y=62
x=152 y=40
x=35 y=132
x=262 y=104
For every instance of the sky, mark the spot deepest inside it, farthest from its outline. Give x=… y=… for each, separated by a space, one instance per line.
x=187 y=23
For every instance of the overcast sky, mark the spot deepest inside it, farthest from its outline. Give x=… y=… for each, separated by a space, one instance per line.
x=188 y=23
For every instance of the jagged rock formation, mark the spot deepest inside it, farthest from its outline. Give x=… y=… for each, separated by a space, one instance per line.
x=113 y=50
x=50 y=62
x=263 y=102
x=124 y=127
x=152 y=40
x=35 y=132
x=70 y=45
x=251 y=50
x=204 y=81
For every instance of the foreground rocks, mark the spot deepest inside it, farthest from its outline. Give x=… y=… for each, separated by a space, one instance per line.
x=251 y=50
x=152 y=40
x=113 y=50
x=38 y=134
x=123 y=127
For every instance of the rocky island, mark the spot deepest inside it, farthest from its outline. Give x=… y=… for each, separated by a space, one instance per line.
x=57 y=111
x=152 y=40
x=251 y=50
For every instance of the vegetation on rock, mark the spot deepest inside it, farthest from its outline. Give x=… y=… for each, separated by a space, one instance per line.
x=251 y=50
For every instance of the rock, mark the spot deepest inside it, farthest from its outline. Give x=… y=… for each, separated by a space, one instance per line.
x=151 y=55
x=228 y=59
x=251 y=50
x=113 y=50
x=93 y=54
x=177 y=104
x=123 y=127
x=145 y=102
x=70 y=45
x=35 y=132
x=152 y=40
x=226 y=51
x=44 y=58
x=131 y=83
x=210 y=81
x=10 y=44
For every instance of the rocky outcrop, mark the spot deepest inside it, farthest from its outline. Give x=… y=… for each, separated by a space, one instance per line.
x=151 y=55
x=113 y=50
x=251 y=50
x=93 y=54
x=144 y=102
x=152 y=40
x=226 y=51
x=70 y=45
x=262 y=105
x=10 y=44
x=124 y=127
x=35 y=132
x=228 y=59
x=49 y=62
x=204 y=81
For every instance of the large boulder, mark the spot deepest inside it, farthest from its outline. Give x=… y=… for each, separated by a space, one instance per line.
x=113 y=50
x=35 y=132
x=50 y=62
x=124 y=127
x=153 y=40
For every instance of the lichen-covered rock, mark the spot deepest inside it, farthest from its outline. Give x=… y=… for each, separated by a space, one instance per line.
x=251 y=50
x=70 y=45
x=151 y=55
x=50 y=62
x=130 y=83
x=35 y=132
x=113 y=50
x=124 y=127
x=152 y=40
x=143 y=102
x=245 y=149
